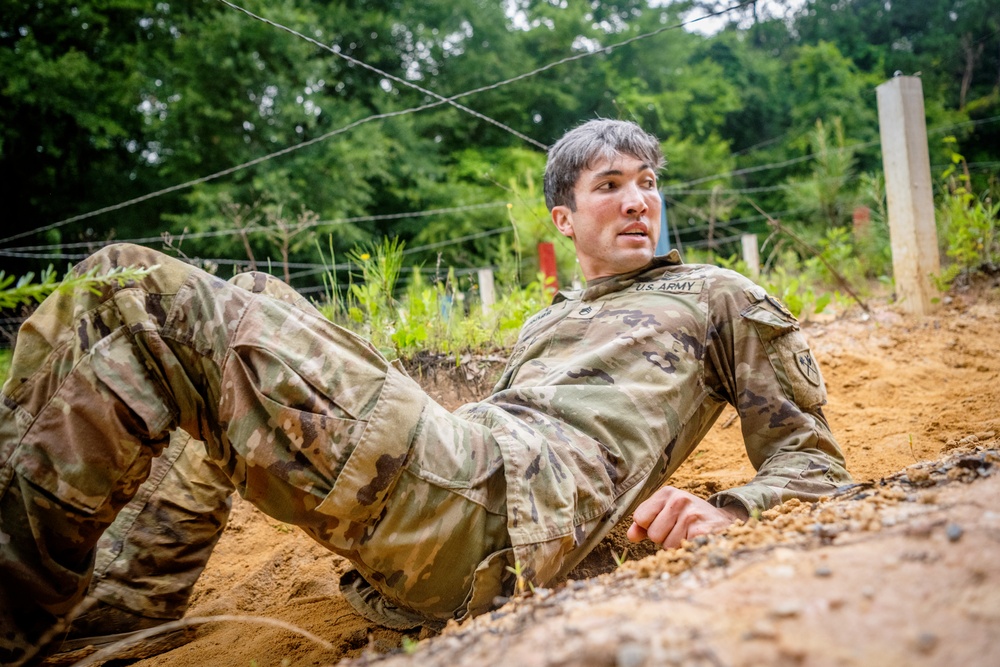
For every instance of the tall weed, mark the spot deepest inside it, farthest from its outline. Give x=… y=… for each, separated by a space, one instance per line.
x=428 y=315
x=967 y=223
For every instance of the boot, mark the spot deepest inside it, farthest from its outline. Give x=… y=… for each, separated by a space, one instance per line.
x=103 y=625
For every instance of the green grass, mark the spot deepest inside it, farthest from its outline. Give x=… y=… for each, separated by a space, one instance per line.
x=439 y=316
x=4 y=364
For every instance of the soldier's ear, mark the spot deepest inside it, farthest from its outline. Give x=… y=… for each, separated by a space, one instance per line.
x=562 y=217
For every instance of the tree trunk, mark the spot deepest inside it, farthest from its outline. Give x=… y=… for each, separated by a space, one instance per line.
x=971 y=51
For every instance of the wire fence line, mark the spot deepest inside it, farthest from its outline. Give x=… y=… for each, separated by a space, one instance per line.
x=380 y=116
x=667 y=189
x=391 y=77
x=812 y=156
x=294 y=228
x=306 y=269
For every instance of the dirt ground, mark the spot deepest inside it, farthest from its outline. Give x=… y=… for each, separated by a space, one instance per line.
x=903 y=569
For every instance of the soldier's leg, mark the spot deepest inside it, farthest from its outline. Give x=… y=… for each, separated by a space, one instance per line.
x=153 y=553
x=151 y=556
x=281 y=398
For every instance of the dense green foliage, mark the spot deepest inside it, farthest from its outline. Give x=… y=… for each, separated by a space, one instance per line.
x=104 y=102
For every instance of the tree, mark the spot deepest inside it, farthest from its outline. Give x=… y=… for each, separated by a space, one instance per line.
x=69 y=124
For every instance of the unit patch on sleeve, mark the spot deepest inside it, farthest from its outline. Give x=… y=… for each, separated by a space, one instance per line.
x=807 y=366
x=676 y=286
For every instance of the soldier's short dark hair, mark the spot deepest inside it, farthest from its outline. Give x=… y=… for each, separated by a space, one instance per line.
x=596 y=139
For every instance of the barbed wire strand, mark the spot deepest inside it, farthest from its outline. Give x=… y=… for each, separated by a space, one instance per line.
x=812 y=156
x=215 y=233
x=672 y=189
x=387 y=75
x=239 y=262
x=361 y=121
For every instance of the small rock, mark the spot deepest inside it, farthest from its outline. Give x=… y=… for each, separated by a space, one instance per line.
x=953 y=531
x=920 y=529
x=823 y=571
x=718 y=559
x=761 y=630
x=788 y=609
x=926 y=642
x=868 y=592
x=631 y=654
x=782 y=571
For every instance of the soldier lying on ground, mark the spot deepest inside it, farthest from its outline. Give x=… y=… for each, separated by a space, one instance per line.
x=607 y=391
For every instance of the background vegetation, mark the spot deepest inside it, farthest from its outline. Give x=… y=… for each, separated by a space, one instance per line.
x=105 y=102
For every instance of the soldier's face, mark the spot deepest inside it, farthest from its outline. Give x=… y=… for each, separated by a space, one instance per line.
x=617 y=219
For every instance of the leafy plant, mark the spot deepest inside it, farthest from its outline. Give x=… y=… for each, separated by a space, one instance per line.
x=409 y=645
x=27 y=290
x=968 y=222
x=802 y=299
x=428 y=315
x=371 y=301
x=823 y=196
x=24 y=291
x=521 y=582
x=871 y=239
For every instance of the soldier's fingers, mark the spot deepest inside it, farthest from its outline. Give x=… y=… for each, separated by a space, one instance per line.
x=648 y=510
x=636 y=533
x=662 y=525
x=680 y=530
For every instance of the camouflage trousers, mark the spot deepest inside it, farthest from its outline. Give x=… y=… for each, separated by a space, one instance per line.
x=304 y=419
x=150 y=557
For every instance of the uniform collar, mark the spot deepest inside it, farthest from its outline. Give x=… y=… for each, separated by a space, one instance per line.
x=600 y=286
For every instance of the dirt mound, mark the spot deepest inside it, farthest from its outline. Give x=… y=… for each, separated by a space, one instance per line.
x=902 y=570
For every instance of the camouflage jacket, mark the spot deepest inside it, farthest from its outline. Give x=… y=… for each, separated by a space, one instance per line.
x=608 y=390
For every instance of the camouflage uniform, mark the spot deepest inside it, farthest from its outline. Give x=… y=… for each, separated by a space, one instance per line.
x=608 y=391
x=605 y=394
x=150 y=557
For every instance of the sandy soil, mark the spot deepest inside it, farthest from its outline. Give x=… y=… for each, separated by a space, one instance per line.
x=902 y=570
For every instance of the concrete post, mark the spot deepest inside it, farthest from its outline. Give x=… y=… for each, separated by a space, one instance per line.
x=905 y=159
x=751 y=254
x=487 y=294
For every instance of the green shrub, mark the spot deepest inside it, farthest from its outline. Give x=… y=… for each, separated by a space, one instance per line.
x=967 y=223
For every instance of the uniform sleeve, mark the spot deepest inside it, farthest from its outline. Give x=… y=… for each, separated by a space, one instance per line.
x=759 y=361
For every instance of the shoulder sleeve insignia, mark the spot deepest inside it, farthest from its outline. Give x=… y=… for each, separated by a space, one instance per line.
x=807 y=366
